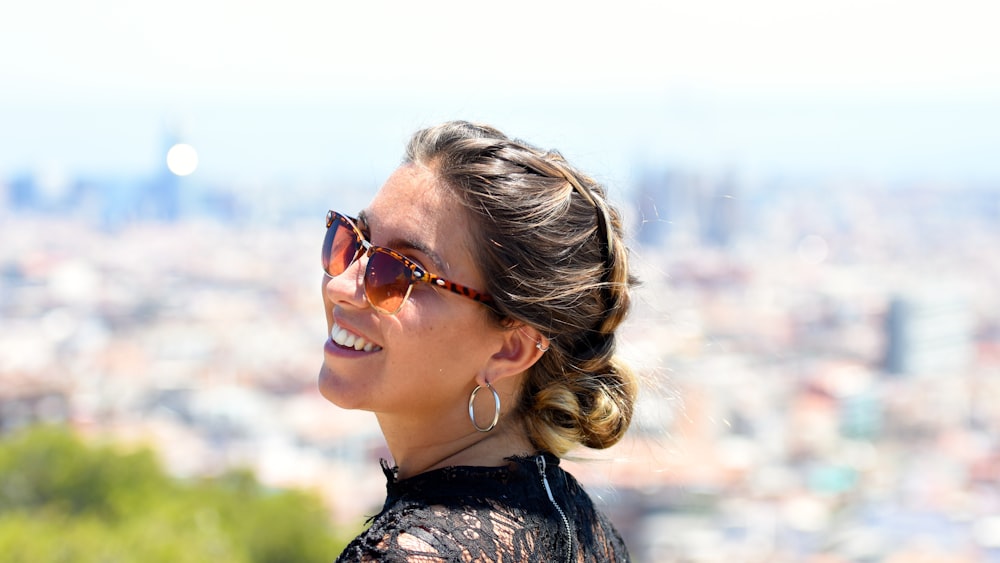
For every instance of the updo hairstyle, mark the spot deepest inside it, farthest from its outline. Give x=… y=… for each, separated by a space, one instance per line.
x=551 y=250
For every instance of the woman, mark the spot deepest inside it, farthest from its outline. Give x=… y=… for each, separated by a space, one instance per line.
x=472 y=306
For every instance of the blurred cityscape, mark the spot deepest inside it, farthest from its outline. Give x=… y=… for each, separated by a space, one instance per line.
x=821 y=357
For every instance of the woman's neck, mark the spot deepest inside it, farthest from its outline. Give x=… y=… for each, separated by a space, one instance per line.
x=473 y=448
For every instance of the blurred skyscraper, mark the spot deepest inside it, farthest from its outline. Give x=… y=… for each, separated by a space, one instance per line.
x=928 y=333
x=160 y=198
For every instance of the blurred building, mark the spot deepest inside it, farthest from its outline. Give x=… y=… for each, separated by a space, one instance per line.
x=682 y=206
x=160 y=198
x=929 y=332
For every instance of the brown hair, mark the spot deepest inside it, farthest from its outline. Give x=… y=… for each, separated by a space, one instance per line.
x=551 y=250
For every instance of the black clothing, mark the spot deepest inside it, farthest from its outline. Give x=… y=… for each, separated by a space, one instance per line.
x=530 y=510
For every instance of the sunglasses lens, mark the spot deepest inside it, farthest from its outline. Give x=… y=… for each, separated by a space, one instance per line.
x=339 y=248
x=387 y=282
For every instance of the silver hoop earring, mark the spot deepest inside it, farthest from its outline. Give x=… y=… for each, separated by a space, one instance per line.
x=472 y=408
x=539 y=346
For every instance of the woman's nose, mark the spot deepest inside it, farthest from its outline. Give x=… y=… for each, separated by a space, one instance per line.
x=348 y=287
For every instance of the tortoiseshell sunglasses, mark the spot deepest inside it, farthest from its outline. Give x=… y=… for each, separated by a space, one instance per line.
x=389 y=276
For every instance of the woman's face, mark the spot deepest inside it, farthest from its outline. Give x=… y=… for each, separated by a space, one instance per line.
x=424 y=358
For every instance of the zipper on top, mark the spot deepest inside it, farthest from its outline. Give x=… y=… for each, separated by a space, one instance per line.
x=540 y=461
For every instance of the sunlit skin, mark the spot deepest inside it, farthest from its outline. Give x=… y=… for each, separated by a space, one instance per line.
x=436 y=349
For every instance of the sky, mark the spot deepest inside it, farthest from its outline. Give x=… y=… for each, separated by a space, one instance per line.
x=306 y=90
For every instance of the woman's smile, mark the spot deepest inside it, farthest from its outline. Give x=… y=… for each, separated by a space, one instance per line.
x=349 y=340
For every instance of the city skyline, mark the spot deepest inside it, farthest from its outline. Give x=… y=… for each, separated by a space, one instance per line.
x=771 y=423
x=360 y=141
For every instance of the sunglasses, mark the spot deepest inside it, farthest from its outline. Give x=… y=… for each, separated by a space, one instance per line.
x=389 y=276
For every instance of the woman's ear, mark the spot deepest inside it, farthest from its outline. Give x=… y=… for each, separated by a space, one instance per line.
x=521 y=347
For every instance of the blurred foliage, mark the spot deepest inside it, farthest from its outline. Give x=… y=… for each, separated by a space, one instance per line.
x=63 y=500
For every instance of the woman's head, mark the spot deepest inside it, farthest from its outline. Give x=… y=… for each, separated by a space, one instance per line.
x=390 y=342
x=550 y=251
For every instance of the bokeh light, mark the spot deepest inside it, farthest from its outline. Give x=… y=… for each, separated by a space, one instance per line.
x=182 y=159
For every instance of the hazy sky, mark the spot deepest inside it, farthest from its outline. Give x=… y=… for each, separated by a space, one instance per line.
x=314 y=88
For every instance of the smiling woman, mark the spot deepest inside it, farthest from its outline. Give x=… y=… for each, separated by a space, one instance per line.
x=473 y=307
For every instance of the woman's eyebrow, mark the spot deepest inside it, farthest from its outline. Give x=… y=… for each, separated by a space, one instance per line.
x=398 y=244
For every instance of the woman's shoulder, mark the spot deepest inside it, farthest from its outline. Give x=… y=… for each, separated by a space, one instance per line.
x=414 y=530
x=405 y=531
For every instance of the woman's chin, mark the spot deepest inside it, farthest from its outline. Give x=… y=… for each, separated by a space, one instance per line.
x=335 y=390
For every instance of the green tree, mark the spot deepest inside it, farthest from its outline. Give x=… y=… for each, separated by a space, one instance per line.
x=62 y=500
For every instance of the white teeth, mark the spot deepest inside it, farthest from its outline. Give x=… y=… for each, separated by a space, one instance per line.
x=351 y=340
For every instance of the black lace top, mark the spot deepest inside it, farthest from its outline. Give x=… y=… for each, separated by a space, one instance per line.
x=530 y=510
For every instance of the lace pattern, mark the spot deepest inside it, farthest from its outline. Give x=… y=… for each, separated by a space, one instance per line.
x=488 y=514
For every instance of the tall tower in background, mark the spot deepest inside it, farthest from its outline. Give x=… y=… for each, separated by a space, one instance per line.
x=161 y=198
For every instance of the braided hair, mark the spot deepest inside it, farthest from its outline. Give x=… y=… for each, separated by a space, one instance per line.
x=551 y=249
